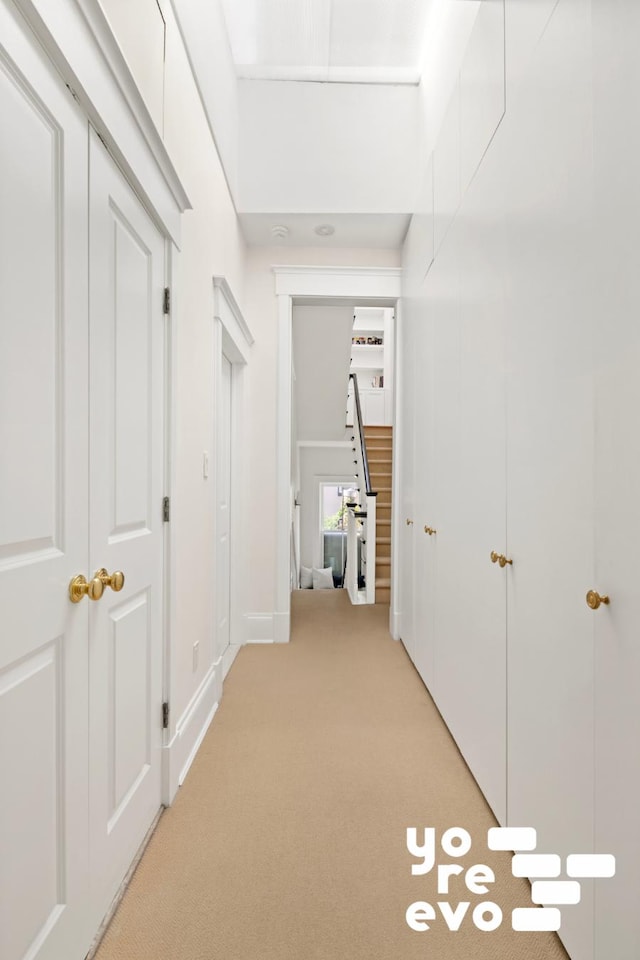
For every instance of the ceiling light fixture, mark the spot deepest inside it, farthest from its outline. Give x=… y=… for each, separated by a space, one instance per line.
x=279 y=232
x=325 y=230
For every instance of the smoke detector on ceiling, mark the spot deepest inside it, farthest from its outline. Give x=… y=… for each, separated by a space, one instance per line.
x=279 y=232
x=325 y=230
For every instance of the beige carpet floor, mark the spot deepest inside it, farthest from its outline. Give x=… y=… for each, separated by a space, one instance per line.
x=287 y=839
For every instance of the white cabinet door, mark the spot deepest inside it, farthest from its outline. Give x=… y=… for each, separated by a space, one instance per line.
x=373 y=406
x=550 y=502
x=617 y=534
x=43 y=506
x=126 y=526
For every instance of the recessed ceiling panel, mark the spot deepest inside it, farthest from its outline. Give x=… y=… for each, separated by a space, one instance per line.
x=342 y=40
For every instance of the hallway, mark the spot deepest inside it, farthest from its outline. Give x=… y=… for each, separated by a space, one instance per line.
x=287 y=840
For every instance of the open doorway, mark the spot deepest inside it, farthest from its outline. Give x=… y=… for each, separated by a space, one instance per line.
x=334 y=497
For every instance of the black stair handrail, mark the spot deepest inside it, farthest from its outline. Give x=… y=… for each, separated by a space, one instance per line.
x=363 y=446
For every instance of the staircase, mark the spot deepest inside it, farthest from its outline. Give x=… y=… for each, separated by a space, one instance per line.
x=379 y=441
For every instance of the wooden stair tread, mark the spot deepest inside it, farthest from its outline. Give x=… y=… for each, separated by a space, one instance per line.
x=383 y=539
x=383 y=582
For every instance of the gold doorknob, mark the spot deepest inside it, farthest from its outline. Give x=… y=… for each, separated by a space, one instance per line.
x=409 y=522
x=80 y=587
x=114 y=580
x=499 y=558
x=594 y=600
x=430 y=531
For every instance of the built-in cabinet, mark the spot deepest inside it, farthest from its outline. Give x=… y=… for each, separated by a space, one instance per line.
x=518 y=438
x=372 y=361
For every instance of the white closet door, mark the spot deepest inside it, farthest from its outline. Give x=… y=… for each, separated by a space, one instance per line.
x=222 y=612
x=443 y=305
x=478 y=525
x=407 y=525
x=43 y=506
x=551 y=458
x=617 y=512
x=126 y=527
x=425 y=545
x=466 y=292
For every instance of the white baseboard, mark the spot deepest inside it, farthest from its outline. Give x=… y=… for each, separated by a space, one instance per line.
x=281 y=627
x=228 y=657
x=258 y=628
x=180 y=752
x=394 y=624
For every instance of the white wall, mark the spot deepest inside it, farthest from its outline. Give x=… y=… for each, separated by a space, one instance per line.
x=327 y=147
x=204 y=33
x=331 y=463
x=262 y=315
x=321 y=357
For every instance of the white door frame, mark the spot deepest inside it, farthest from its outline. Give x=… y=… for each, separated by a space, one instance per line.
x=232 y=339
x=300 y=282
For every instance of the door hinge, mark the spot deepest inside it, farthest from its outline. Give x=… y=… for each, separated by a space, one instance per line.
x=166 y=303
x=166 y=509
x=165 y=715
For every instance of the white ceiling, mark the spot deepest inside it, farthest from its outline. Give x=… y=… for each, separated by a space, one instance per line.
x=372 y=230
x=363 y=41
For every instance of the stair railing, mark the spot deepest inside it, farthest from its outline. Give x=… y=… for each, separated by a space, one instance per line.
x=366 y=514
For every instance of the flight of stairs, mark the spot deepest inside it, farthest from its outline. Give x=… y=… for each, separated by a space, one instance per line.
x=379 y=442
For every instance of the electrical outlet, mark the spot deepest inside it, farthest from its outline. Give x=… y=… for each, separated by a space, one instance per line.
x=205 y=465
x=196 y=652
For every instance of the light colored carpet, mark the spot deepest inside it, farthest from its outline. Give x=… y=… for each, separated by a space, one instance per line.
x=287 y=840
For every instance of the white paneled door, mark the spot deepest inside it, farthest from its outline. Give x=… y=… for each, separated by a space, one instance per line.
x=43 y=506
x=126 y=271
x=81 y=427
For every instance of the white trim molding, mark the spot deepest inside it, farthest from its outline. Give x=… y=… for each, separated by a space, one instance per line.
x=366 y=283
x=232 y=339
x=190 y=730
x=396 y=484
x=259 y=628
x=380 y=284
x=226 y=310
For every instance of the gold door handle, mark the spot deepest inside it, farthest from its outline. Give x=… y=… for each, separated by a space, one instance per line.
x=80 y=587
x=594 y=600
x=430 y=531
x=499 y=558
x=409 y=522
x=114 y=580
